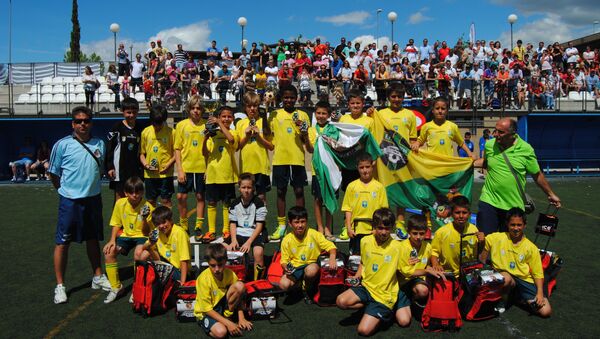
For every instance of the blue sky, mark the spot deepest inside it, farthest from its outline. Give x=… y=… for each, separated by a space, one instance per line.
x=41 y=29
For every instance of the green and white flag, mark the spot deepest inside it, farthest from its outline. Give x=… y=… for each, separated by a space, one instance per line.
x=336 y=147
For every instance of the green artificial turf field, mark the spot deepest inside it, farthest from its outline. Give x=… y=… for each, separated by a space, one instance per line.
x=28 y=224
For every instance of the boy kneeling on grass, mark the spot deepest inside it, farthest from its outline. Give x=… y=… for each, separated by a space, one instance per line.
x=519 y=261
x=219 y=295
x=300 y=251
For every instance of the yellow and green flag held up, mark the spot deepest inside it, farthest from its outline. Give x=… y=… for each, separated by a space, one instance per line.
x=413 y=180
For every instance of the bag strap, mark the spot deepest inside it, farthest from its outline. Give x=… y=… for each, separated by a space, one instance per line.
x=514 y=173
x=90 y=152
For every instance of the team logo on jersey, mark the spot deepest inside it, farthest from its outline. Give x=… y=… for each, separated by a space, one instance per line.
x=364 y=204
x=173 y=248
x=311 y=245
x=521 y=257
x=502 y=252
x=387 y=258
x=375 y=267
x=164 y=140
x=303 y=257
x=512 y=265
x=130 y=147
x=97 y=153
x=206 y=321
x=123 y=139
x=356 y=195
x=396 y=128
x=214 y=292
x=471 y=241
x=442 y=141
x=246 y=224
x=451 y=245
x=221 y=148
x=294 y=250
x=195 y=143
x=463 y=253
x=187 y=134
x=155 y=149
x=449 y=133
x=130 y=226
x=405 y=121
x=289 y=130
x=424 y=260
x=374 y=194
x=168 y=254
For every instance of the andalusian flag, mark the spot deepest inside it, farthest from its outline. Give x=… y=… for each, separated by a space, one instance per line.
x=413 y=180
x=336 y=147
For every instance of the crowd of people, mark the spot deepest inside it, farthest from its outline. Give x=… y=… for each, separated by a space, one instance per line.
x=204 y=153
x=480 y=73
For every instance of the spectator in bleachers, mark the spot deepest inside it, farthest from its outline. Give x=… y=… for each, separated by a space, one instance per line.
x=265 y=56
x=226 y=55
x=161 y=51
x=571 y=54
x=380 y=82
x=40 y=166
x=213 y=53
x=150 y=50
x=122 y=59
x=285 y=76
x=112 y=80
x=90 y=85
x=25 y=159
x=255 y=56
x=223 y=82
x=137 y=73
x=592 y=81
x=205 y=78
x=181 y=57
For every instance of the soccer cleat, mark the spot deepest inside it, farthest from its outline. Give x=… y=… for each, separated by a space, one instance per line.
x=208 y=237
x=13 y=179
x=131 y=298
x=402 y=235
x=198 y=234
x=278 y=234
x=344 y=234
x=60 y=294
x=113 y=294
x=101 y=282
x=500 y=307
x=226 y=236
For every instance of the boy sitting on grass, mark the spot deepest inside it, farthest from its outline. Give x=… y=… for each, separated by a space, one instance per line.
x=518 y=260
x=300 y=251
x=219 y=295
x=131 y=216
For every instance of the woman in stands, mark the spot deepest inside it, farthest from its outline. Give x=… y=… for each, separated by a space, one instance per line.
x=112 y=80
x=90 y=85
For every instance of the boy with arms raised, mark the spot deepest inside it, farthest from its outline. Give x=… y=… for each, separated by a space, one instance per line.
x=363 y=196
x=191 y=165
x=255 y=144
x=157 y=158
x=247 y=216
x=378 y=270
x=518 y=260
x=131 y=215
x=300 y=251
x=289 y=127
x=219 y=295
x=445 y=248
x=221 y=171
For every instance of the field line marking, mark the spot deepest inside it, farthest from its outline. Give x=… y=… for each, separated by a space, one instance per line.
x=512 y=329
x=76 y=312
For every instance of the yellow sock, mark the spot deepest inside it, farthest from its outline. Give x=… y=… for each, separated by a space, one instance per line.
x=112 y=273
x=199 y=223
x=225 y=218
x=258 y=272
x=183 y=222
x=212 y=218
x=281 y=221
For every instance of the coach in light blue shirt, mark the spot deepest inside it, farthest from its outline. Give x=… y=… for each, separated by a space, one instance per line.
x=75 y=171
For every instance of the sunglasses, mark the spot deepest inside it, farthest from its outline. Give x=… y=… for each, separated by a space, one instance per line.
x=82 y=121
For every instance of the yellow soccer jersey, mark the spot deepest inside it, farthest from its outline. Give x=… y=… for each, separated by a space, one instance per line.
x=362 y=200
x=438 y=138
x=521 y=260
x=221 y=167
x=379 y=268
x=157 y=146
x=254 y=157
x=210 y=290
x=188 y=139
x=305 y=251
x=129 y=218
x=407 y=269
x=286 y=138
x=446 y=246
x=364 y=121
x=176 y=247
x=403 y=122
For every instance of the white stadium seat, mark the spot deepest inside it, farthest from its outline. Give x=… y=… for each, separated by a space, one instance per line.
x=58 y=89
x=57 y=81
x=47 y=81
x=76 y=80
x=34 y=89
x=72 y=97
x=140 y=97
x=35 y=98
x=46 y=89
x=46 y=98
x=58 y=99
x=104 y=97
x=67 y=80
x=80 y=98
x=79 y=89
x=23 y=99
x=103 y=89
x=101 y=79
x=573 y=95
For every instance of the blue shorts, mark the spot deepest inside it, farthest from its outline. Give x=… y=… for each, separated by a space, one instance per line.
x=405 y=293
x=372 y=307
x=294 y=175
x=208 y=322
x=220 y=192
x=298 y=273
x=262 y=183
x=194 y=183
x=79 y=220
x=156 y=187
x=127 y=244
x=525 y=291
x=22 y=162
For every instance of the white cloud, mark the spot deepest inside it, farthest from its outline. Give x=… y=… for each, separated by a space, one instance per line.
x=418 y=17
x=356 y=17
x=367 y=39
x=193 y=37
x=577 y=13
x=548 y=29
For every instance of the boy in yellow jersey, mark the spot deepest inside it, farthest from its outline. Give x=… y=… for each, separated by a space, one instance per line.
x=402 y=121
x=290 y=134
x=439 y=133
x=322 y=114
x=260 y=79
x=445 y=248
x=413 y=263
x=171 y=244
x=378 y=269
x=255 y=144
x=131 y=215
x=518 y=260
x=219 y=296
x=221 y=171
x=191 y=165
x=300 y=251
x=362 y=197
x=157 y=157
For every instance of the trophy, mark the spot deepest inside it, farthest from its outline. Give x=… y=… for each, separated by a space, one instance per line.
x=210 y=109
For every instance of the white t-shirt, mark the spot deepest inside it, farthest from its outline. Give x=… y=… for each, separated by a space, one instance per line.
x=572 y=54
x=269 y=70
x=137 y=69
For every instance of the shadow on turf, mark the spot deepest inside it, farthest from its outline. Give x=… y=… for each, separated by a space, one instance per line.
x=125 y=273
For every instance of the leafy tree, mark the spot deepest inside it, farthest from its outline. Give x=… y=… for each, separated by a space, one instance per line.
x=75 y=50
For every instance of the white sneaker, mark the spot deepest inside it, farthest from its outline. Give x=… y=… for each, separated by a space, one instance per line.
x=101 y=282
x=60 y=294
x=131 y=298
x=113 y=294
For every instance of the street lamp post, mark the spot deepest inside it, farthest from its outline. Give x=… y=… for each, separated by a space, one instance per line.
x=596 y=22
x=114 y=27
x=379 y=10
x=242 y=21
x=511 y=20
x=392 y=16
